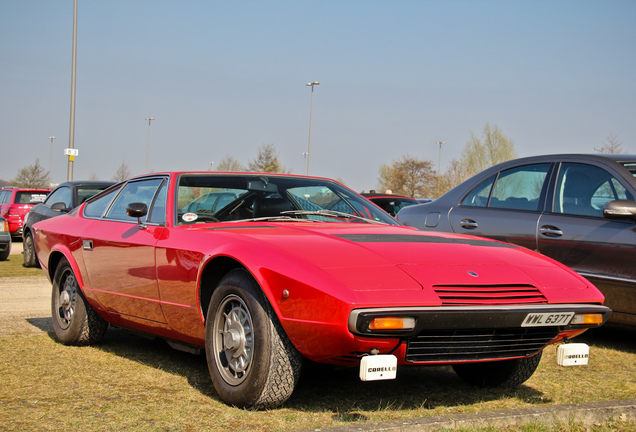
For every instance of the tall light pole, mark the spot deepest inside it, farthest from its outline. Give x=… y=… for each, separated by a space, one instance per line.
x=71 y=135
x=439 y=160
x=51 y=161
x=150 y=119
x=311 y=108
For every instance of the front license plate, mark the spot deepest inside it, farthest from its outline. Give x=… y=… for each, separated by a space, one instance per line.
x=378 y=367
x=547 y=319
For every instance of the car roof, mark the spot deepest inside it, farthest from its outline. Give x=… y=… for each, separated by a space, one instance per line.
x=614 y=157
x=86 y=183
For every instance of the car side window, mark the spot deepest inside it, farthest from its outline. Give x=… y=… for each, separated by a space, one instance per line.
x=584 y=189
x=158 y=212
x=142 y=191
x=62 y=195
x=96 y=208
x=4 y=197
x=478 y=197
x=515 y=188
x=519 y=187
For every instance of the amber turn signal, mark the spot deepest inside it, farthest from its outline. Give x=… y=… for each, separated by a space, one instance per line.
x=590 y=318
x=392 y=323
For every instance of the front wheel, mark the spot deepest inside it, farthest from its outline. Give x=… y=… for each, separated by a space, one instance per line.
x=505 y=373
x=30 y=258
x=74 y=321
x=252 y=362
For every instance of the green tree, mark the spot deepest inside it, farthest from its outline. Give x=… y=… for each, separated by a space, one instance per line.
x=229 y=164
x=408 y=176
x=491 y=148
x=122 y=173
x=32 y=176
x=267 y=160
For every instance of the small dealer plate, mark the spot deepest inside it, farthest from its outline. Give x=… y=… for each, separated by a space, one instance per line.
x=547 y=319
x=378 y=367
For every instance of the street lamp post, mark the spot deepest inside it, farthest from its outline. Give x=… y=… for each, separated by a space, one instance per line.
x=150 y=119
x=71 y=135
x=51 y=161
x=439 y=160
x=311 y=108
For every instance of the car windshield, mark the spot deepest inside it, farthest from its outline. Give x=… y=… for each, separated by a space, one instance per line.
x=228 y=198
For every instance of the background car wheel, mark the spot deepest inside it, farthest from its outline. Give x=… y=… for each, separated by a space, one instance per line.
x=74 y=321
x=252 y=362
x=30 y=259
x=5 y=254
x=506 y=373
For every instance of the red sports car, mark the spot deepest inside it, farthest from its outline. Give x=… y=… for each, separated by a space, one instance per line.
x=297 y=267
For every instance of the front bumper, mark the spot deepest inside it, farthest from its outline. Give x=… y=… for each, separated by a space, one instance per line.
x=474 y=333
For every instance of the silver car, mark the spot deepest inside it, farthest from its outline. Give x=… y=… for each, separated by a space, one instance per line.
x=578 y=209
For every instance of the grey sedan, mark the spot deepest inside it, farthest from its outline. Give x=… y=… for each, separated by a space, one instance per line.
x=578 y=209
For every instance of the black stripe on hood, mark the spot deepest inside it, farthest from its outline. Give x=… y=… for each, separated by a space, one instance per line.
x=408 y=238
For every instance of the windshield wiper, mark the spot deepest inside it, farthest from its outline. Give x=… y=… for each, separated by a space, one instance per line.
x=331 y=213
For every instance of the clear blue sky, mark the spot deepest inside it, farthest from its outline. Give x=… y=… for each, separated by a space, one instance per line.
x=225 y=77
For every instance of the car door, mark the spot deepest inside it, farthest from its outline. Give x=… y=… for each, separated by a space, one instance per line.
x=505 y=206
x=119 y=253
x=576 y=234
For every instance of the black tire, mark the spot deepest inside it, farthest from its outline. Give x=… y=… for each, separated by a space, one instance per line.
x=505 y=373
x=252 y=362
x=5 y=253
x=30 y=258
x=74 y=321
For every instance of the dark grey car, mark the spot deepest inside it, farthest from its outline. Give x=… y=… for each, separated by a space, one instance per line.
x=5 y=239
x=577 y=209
x=61 y=200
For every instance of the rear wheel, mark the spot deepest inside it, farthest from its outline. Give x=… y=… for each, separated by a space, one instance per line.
x=30 y=259
x=74 y=321
x=505 y=373
x=252 y=362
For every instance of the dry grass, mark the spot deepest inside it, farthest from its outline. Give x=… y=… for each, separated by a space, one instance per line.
x=134 y=384
x=14 y=267
x=129 y=383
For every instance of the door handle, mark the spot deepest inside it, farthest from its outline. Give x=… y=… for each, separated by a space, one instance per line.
x=550 y=231
x=468 y=224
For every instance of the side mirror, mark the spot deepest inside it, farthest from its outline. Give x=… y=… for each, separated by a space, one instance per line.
x=60 y=207
x=620 y=209
x=138 y=210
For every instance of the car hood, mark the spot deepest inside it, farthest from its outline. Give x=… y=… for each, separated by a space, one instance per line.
x=384 y=258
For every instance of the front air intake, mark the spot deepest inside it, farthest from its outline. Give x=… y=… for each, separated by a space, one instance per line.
x=454 y=295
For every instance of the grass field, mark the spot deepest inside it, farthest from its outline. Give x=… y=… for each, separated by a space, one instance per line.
x=130 y=383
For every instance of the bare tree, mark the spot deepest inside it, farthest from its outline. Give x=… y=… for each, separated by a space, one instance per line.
x=611 y=145
x=408 y=176
x=229 y=164
x=32 y=176
x=267 y=160
x=122 y=173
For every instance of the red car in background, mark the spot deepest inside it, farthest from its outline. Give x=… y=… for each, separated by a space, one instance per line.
x=15 y=203
x=294 y=268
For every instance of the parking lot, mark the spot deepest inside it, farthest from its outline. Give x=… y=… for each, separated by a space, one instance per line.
x=25 y=310
x=24 y=302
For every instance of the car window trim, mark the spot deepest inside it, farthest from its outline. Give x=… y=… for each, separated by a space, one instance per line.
x=152 y=201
